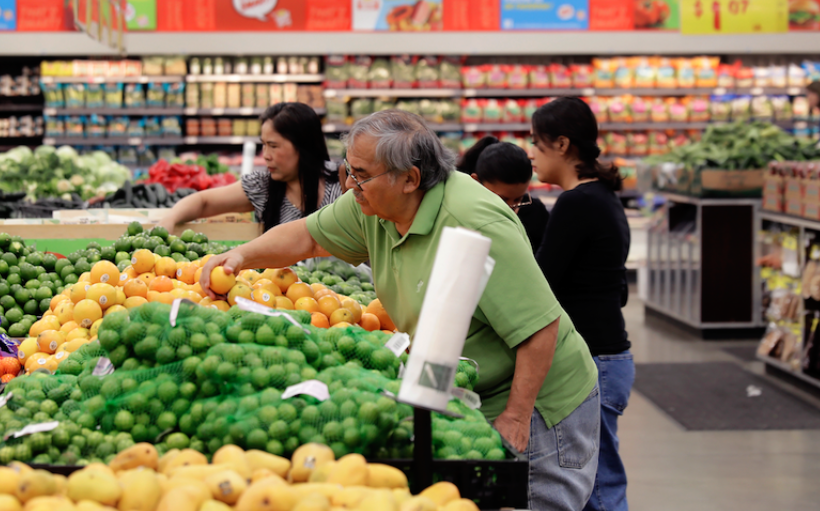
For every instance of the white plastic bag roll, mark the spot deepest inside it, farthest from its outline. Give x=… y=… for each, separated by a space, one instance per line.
x=453 y=291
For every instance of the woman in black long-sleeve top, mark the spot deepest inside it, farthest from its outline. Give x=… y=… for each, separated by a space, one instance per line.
x=583 y=256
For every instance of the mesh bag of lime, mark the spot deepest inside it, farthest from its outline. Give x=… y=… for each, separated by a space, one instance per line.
x=146 y=336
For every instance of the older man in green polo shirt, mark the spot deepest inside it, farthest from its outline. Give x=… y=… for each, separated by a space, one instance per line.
x=537 y=382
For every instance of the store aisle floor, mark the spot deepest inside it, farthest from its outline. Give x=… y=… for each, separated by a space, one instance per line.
x=671 y=469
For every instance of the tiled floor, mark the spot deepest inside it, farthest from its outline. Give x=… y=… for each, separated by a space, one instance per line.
x=671 y=469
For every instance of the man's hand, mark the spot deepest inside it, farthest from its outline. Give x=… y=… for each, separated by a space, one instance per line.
x=232 y=261
x=515 y=430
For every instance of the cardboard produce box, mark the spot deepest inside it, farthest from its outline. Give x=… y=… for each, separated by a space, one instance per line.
x=773 y=193
x=732 y=183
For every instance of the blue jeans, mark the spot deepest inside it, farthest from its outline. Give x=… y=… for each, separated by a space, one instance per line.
x=564 y=458
x=616 y=373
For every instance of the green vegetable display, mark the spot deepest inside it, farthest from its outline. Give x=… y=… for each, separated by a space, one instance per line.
x=740 y=146
x=50 y=172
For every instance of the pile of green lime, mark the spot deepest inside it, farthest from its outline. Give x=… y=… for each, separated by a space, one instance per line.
x=187 y=247
x=28 y=281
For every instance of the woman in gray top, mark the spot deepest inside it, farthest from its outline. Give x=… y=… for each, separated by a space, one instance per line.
x=299 y=178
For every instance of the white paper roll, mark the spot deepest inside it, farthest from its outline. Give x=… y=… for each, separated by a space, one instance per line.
x=453 y=292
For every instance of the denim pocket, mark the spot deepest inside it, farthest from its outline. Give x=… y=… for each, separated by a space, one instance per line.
x=616 y=374
x=578 y=435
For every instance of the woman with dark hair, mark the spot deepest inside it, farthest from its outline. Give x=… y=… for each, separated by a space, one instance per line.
x=505 y=170
x=583 y=257
x=298 y=180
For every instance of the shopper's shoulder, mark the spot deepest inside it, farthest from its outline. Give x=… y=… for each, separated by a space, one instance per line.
x=257 y=178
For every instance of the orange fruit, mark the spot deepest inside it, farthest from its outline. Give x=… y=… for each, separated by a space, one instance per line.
x=204 y=260
x=318 y=286
x=261 y=282
x=194 y=297
x=26 y=349
x=323 y=292
x=85 y=277
x=104 y=294
x=10 y=366
x=65 y=312
x=299 y=290
x=197 y=275
x=147 y=277
x=153 y=296
x=49 y=341
x=162 y=284
x=38 y=327
x=354 y=307
x=94 y=327
x=270 y=288
x=283 y=302
x=6 y=378
x=250 y=275
x=221 y=282
x=126 y=275
x=341 y=315
x=77 y=333
x=239 y=290
x=134 y=301
x=375 y=307
x=197 y=288
x=142 y=261
x=86 y=312
x=263 y=297
x=319 y=320
x=178 y=293
x=36 y=361
x=105 y=272
x=166 y=298
x=341 y=324
x=69 y=327
x=75 y=344
x=56 y=300
x=220 y=305
x=78 y=291
x=135 y=287
x=284 y=278
x=166 y=266
x=114 y=309
x=186 y=272
x=120 y=296
x=328 y=304
x=306 y=303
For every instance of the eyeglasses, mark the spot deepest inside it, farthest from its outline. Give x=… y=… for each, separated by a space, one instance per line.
x=355 y=180
x=526 y=200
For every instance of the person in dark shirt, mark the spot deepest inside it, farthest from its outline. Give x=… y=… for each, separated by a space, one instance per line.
x=583 y=256
x=505 y=170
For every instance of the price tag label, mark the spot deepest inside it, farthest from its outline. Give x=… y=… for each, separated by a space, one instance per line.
x=398 y=343
x=734 y=16
x=33 y=428
x=313 y=388
x=330 y=93
x=134 y=141
x=104 y=367
x=190 y=111
x=191 y=140
x=588 y=92
x=50 y=111
x=468 y=397
x=246 y=111
x=218 y=111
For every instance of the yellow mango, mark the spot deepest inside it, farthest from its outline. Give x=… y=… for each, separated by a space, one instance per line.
x=138 y=455
x=261 y=496
x=9 y=503
x=185 y=457
x=234 y=457
x=165 y=459
x=351 y=496
x=8 y=481
x=461 y=505
x=418 y=503
x=36 y=483
x=379 y=500
x=385 y=476
x=313 y=502
x=261 y=459
x=441 y=493
x=214 y=505
x=226 y=486
x=96 y=485
x=308 y=458
x=141 y=490
x=321 y=474
x=350 y=470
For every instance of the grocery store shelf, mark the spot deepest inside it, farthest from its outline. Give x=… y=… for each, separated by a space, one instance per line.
x=113 y=111
x=341 y=128
x=559 y=42
x=640 y=126
x=219 y=140
x=686 y=199
x=789 y=220
x=235 y=111
x=21 y=107
x=302 y=78
x=111 y=79
x=393 y=93
x=133 y=141
x=786 y=368
x=548 y=92
x=522 y=126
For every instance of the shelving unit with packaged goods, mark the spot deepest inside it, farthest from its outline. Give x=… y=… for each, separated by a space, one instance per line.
x=700 y=264
x=808 y=230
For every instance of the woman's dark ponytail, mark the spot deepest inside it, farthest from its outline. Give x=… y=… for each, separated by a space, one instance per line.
x=572 y=118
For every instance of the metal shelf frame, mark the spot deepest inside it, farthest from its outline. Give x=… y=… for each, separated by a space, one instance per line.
x=675 y=263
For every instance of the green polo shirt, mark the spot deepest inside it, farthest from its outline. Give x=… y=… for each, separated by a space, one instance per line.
x=516 y=303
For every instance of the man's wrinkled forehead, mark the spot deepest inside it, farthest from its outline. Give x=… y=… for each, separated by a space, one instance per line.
x=361 y=154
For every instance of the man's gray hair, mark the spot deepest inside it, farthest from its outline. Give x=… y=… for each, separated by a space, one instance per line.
x=403 y=140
